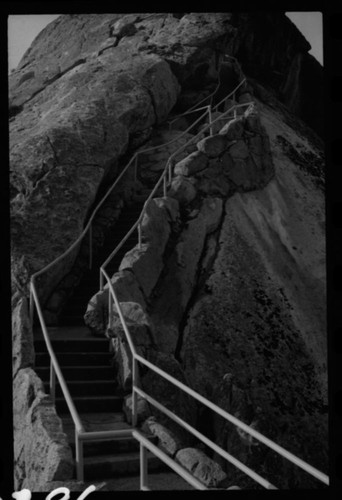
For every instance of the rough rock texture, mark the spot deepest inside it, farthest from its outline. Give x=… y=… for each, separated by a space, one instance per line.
x=41 y=451
x=85 y=88
x=22 y=338
x=146 y=262
x=202 y=467
x=167 y=440
x=143 y=409
x=127 y=290
x=263 y=310
x=227 y=291
x=175 y=286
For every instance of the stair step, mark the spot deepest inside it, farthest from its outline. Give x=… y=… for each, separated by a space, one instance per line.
x=104 y=466
x=92 y=404
x=71 y=319
x=75 y=358
x=97 y=345
x=79 y=372
x=87 y=388
x=103 y=422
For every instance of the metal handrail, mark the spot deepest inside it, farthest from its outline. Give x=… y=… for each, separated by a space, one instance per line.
x=247 y=470
x=145 y=443
x=157 y=185
x=55 y=369
x=162 y=177
x=235 y=421
x=84 y=436
x=75 y=416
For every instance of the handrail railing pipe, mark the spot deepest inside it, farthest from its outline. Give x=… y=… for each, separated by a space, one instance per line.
x=55 y=371
x=235 y=421
x=65 y=390
x=143 y=468
x=52 y=383
x=79 y=456
x=247 y=470
x=167 y=460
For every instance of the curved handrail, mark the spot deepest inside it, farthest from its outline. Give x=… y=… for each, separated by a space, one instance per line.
x=117 y=180
x=34 y=299
x=74 y=413
x=157 y=185
x=235 y=421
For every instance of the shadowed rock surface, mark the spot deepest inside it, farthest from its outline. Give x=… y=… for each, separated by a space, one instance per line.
x=227 y=292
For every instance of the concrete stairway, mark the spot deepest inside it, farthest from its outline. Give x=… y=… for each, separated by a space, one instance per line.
x=86 y=363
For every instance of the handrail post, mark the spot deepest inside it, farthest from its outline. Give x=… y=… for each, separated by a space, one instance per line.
x=143 y=468
x=90 y=246
x=31 y=306
x=79 y=457
x=134 y=394
x=235 y=113
x=110 y=309
x=101 y=281
x=52 y=382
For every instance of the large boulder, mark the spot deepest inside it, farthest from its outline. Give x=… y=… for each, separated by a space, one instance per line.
x=41 y=450
x=146 y=262
x=262 y=311
x=175 y=288
x=126 y=288
x=22 y=337
x=203 y=468
x=75 y=122
x=168 y=441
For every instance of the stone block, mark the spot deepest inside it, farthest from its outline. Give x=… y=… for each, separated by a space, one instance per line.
x=146 y=263
x=167 y=440
x=239 y=150
x=183 y=189
x=127 y=290
x=143 y=408
x=201 y=466
x=233 y=130
x=22 y=337
x=41 y=450
x=213 y=146
x=192 y=164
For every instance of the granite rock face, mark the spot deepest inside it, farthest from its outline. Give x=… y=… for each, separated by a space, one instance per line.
x=22 y=337
x=88 y=87
x=227 y=292
x=263 y=309
x=41 y=451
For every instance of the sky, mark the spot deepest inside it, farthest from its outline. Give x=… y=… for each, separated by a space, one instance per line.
x=22 y=29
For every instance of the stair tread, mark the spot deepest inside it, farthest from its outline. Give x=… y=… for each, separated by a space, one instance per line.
x=96 y=422
x=65 y=332
x=113 y=397
x=116 y=458
x=87 y=382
